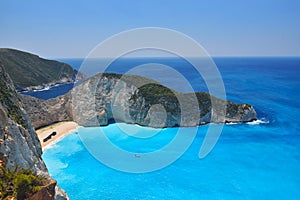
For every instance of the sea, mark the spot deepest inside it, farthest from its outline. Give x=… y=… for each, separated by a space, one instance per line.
x=256 y=160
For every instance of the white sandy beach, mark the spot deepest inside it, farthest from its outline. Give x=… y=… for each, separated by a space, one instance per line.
x=61 y=128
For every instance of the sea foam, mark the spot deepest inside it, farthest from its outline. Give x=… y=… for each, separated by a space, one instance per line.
x=258 y=121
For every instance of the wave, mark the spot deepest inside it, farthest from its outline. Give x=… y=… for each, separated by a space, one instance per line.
x=255 y=122
x=259 y=121
x=44 y=89
x=49 y=146
x=232 y=123
x=51 y=86
x=61 y=84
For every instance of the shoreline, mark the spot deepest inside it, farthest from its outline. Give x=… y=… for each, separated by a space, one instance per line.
x=51 y=134
x=45 y=86
x=62 y=129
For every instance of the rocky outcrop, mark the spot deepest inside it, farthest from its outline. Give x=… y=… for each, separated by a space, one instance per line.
x=46 y=193
x=49 y=192
x=19 y=144
x=134 y=99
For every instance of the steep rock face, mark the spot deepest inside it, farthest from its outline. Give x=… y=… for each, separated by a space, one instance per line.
x=139 y=100
x=19 y=144
x=134 y=99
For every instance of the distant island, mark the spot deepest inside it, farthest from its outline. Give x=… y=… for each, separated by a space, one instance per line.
x=30 y=72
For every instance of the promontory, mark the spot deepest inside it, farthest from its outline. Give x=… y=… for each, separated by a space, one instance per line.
x=108 y=97
x=30 y=72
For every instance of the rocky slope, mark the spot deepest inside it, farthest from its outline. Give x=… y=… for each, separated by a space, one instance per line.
x=43 y=113
x=134 y=99
x=30 y=72
x=19 y=144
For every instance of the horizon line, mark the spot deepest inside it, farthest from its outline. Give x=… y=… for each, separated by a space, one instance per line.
x=143 y=57
x=164 y=56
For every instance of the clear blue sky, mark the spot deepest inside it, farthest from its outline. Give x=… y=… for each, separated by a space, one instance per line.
x=60 y=28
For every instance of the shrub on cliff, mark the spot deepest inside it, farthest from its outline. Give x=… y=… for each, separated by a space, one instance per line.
x=19 y=183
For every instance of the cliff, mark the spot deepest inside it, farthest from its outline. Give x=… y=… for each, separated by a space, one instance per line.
x=19 y=144
x=30 y=72
x=105 y=98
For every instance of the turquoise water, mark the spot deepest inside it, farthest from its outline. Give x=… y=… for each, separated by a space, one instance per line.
x=250 y=161
x=246 y=163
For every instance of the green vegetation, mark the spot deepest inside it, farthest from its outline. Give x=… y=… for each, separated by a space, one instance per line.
x=154 y=93
x=19 y=183
x=111 y=75
x=129 y=78
x=26 y=69
x=158 y=94
x=13 y=110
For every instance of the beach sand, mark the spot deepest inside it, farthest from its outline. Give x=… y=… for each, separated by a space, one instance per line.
x=61 y=128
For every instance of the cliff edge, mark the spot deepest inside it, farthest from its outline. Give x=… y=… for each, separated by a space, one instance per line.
x=19 y=144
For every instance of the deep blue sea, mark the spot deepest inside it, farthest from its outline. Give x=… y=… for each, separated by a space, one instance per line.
x=249 y=161
x=50 y=92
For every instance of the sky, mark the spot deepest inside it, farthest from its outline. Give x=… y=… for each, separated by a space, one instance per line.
x=71 y=29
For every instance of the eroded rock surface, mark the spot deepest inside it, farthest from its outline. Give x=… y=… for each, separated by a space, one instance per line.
x=137 y=100
x=19 y=144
